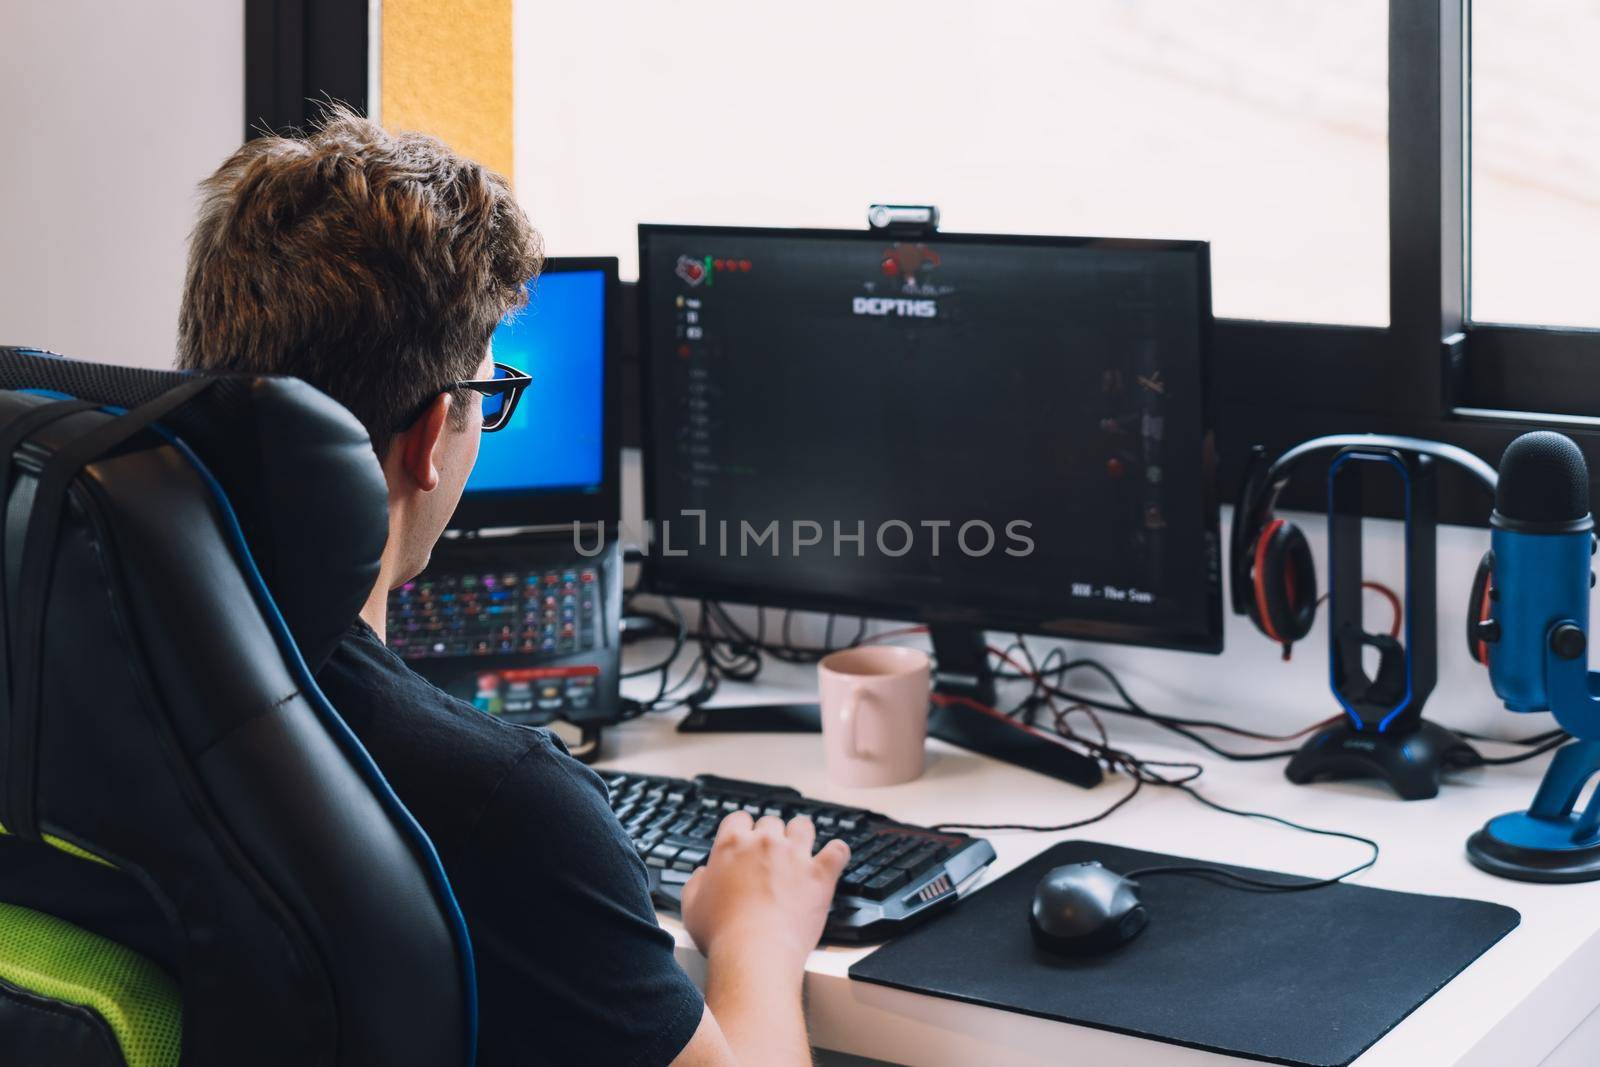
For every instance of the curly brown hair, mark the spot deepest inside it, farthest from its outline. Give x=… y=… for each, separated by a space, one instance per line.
x=373 y=265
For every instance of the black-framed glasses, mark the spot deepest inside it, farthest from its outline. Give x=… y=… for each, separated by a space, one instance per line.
x=500 y=395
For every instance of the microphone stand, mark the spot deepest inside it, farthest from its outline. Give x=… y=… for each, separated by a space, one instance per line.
x=1552 y=841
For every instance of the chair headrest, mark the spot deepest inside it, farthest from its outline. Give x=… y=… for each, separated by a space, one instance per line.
x=298 y=469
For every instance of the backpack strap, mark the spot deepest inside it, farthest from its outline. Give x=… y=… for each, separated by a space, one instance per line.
x=26 y=636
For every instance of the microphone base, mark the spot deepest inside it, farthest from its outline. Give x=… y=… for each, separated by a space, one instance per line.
x=1552 y=841
x=1491 y=852
x=1410 y=761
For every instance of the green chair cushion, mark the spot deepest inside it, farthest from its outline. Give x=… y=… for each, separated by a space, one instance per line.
x=52 y=958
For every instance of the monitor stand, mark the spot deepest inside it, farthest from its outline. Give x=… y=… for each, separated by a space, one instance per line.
x=964 y=672
x=962 y=654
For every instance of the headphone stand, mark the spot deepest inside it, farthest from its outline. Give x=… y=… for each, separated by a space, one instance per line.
x=1382 y=734
x=1411 y=761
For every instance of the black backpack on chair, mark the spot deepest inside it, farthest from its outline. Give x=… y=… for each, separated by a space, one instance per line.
x=197 y=854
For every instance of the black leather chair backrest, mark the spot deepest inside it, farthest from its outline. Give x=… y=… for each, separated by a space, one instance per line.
x=295 y=467
x=180 y=735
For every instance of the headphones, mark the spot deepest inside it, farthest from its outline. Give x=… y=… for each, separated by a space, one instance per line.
x=1273 y=578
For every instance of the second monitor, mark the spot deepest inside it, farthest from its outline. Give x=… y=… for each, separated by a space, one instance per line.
x=976 y=432
x=557 y=462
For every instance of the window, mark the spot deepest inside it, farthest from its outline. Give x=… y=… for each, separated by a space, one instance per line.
x=1260 y=125
x=1361 y=281
x=1535 y=176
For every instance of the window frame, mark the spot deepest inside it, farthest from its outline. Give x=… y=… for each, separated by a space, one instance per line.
x=1430 y=373
x=299 y=54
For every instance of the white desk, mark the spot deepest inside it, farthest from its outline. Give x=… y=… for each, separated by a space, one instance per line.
x=1531 y=999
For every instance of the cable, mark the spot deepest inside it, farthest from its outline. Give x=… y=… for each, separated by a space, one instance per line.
x=1142 y=772
x=1138 y=783
x=1537 y=750
x=1133 y=707
x=741 y=659
x=785 y=651
x=1116 y=759
x=1378 y=587
x=1063 y=727
x=1536 y=739
x=679 y=639
x=724 y=649
x=735 y=654
x=1538 y=744
x=1036 y=694
x=900 y=631
x=666 y=697
x=1394 y=602
x=1256 y=883
x=1183 y=727
x=1388 y=594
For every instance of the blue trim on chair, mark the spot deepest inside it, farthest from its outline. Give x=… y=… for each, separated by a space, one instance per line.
x=354 y=750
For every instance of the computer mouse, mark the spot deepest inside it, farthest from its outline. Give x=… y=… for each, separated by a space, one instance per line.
x=1082 y=908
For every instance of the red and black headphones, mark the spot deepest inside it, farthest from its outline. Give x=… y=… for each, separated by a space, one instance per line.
x=1273 y=577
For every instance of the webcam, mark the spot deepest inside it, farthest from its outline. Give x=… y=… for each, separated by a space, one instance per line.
x=903 y=218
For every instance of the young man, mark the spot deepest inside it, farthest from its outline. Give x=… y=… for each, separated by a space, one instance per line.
x=376 y=266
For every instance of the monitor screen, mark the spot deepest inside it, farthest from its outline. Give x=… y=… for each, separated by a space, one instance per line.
x=559 y=446
x=1005 y=432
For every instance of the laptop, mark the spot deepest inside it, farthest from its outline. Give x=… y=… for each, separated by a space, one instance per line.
x=519 y=611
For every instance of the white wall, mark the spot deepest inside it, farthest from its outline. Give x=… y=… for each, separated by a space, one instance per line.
x=1259 y=126
x=110 y=113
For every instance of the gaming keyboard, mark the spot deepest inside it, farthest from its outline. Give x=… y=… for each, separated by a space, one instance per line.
x=898 y=875
x=479 y=613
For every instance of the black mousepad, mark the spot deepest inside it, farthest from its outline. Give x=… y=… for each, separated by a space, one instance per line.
x=1309 y=978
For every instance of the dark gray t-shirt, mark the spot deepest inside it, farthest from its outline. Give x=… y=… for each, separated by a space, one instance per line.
x=572 y=966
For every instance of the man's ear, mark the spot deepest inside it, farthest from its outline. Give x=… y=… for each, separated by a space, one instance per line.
x=419 y=445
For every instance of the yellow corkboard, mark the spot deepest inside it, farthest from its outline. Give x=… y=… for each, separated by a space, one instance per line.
x=446 y=70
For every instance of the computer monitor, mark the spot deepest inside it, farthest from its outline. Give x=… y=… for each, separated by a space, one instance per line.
x=557 y=462
x=973 y=431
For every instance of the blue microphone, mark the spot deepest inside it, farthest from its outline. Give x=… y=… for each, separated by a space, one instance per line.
x=1531 y=627
x=1541 y=544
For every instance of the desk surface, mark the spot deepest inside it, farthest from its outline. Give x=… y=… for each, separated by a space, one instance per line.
x=1514 y=1006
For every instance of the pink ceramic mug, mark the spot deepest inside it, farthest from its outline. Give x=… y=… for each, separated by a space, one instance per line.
x=874 y=714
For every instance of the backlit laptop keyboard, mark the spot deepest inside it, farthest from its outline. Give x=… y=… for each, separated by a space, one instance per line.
x=547 y=611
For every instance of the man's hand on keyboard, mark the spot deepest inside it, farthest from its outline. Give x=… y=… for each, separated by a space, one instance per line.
x=763 y=891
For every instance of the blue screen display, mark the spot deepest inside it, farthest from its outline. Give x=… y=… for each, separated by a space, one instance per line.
x=554 y=440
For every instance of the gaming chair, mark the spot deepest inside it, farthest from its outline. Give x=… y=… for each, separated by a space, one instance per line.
x=180 y=553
